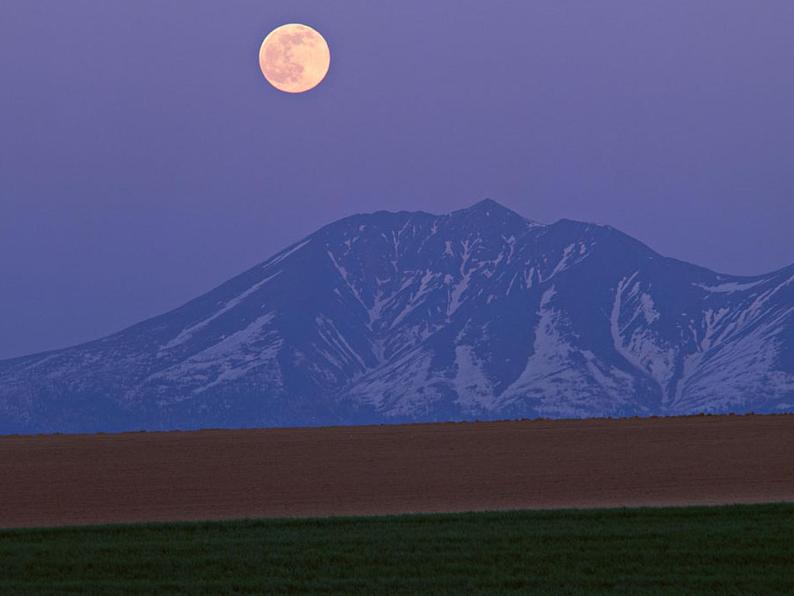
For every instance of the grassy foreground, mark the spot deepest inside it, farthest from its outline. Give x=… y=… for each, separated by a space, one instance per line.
x=726 y=550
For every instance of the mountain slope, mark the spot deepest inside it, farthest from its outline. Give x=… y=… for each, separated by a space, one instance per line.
x=412 y=316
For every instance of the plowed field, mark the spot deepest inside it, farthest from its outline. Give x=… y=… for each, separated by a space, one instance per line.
x=223 y=474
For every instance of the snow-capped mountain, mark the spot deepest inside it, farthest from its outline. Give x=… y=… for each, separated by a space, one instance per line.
x=389 y=317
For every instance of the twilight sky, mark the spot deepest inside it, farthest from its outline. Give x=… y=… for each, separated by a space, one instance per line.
x=144 y=159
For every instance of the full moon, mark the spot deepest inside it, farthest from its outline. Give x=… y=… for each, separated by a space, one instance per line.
x=294 y=58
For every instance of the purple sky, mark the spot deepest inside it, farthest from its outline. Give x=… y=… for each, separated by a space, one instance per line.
x=144 y=159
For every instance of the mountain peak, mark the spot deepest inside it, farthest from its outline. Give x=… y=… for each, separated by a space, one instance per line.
x=488 y=208
x=487 y=203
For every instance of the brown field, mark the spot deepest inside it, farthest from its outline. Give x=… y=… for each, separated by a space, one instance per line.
x=135 y=477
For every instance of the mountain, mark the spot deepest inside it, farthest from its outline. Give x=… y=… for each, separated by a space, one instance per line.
x=394 y=317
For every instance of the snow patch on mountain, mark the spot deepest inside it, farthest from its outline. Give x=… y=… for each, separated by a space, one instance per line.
x=190 y=331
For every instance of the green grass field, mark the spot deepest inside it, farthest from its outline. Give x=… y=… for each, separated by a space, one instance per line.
x=722 y=550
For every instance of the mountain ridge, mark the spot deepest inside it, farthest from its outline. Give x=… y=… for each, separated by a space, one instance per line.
x=410 y=316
